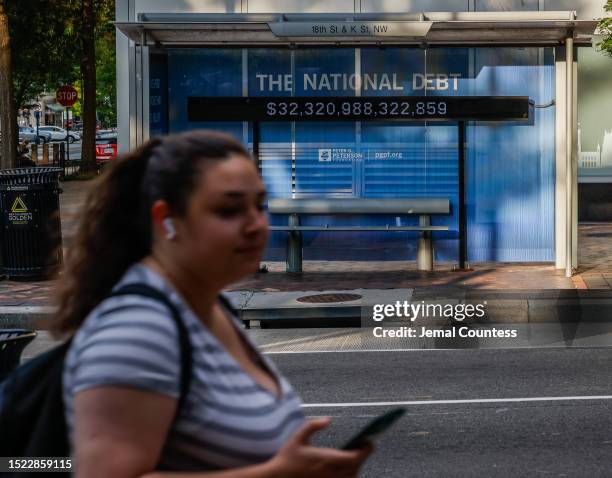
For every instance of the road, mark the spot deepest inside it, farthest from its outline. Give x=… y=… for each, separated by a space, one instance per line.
x=504 y=412
x=540 y=422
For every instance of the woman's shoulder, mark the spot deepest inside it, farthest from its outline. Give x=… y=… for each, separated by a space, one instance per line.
x=131 y=310
x=126 y=340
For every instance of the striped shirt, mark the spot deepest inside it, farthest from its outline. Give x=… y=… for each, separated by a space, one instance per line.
x=228 y=420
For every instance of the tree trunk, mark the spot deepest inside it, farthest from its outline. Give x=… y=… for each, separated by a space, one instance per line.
x=88 y=71
x=8 y=113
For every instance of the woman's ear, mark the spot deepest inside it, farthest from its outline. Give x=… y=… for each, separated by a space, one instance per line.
x=160 y=216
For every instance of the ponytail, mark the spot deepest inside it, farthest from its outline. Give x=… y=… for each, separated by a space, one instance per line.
x=115 y=230
x=113 y=234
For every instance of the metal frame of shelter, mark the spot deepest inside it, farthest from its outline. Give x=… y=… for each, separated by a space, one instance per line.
x=558 y=29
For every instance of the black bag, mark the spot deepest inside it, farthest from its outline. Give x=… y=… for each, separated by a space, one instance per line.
x=32 y=422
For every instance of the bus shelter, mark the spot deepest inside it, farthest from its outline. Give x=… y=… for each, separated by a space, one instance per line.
x=510 y=168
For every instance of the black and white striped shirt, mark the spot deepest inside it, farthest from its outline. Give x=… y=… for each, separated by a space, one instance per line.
x=228 y=419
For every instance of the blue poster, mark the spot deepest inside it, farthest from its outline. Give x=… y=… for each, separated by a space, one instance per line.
x=202 y=72
x=158 y=97
x=510 y=166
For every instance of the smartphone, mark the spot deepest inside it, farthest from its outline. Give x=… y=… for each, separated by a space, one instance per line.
x=375 y=427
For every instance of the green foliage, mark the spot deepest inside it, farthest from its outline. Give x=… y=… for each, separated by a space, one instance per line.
x=77 y=109
x=605 y=27
x=44 y=45
x=47 y=50
x=106 y=91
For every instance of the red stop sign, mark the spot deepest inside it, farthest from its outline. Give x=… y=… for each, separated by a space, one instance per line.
x=66 y=96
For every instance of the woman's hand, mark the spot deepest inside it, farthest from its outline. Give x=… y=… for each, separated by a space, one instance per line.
x=297 y=458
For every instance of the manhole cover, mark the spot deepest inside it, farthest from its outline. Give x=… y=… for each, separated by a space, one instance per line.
x=328 y=298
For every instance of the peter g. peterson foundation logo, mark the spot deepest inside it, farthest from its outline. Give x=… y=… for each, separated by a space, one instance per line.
x=327 y=155
x=19 y=213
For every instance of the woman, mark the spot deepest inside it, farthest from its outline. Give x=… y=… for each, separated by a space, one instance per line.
x=184 y=214
x=24 y=159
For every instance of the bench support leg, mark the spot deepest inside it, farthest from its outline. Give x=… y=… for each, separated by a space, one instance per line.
x=425 y=246
x=294 y=246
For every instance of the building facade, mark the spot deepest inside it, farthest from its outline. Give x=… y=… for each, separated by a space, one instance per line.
x=520 y=176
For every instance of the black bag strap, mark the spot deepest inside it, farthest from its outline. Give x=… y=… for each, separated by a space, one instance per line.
x=227 y=304
x=146 y=290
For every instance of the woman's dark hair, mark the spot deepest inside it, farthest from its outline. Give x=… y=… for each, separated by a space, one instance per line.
x=115 y=229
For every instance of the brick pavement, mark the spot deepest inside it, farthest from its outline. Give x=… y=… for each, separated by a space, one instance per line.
x=72 y=200
x=325 y=275
x=595 y=272
x=595 y=255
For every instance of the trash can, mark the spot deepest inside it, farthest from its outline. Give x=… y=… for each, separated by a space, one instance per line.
x=12 y=343
x=31 y=236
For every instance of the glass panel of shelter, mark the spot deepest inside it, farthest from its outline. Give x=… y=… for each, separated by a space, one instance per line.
x=510 y=167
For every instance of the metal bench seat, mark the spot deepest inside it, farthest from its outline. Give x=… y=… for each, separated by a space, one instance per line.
x=295 y=207
x=359 y=206
x=358 y=228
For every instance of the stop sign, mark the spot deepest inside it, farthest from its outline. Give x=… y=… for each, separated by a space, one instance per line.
x=66 y=96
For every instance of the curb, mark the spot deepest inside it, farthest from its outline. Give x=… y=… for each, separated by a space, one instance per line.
x=517 y=307
x=26 y=317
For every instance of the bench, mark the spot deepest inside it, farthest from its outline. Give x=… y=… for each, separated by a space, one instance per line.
x=423 y=207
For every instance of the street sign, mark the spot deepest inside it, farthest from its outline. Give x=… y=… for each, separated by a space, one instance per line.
x=66 y=96
x=413 y=29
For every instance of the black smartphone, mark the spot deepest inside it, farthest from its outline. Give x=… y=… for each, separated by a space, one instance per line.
x=375 y=427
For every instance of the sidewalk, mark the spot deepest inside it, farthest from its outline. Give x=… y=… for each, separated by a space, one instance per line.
x=508 y=288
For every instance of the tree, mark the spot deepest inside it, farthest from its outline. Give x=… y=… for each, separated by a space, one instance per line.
x=36 y=52
x=106 y=76
x=44 y=45
x=8 y=116
x=106 y=89
x=88 y=73
x=605 y=27
x=53 y=42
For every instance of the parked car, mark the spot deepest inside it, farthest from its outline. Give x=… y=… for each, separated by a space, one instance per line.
x=106 y=148
x=77 y=128
x=59 y=134
x=78 y=125
x=106 y=133
x=29 y=133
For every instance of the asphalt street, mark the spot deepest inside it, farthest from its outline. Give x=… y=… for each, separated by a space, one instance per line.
x=504 y=412
x=540 y=418
x=75 y=151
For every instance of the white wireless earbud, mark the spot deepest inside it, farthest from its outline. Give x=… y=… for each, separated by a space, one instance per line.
x=169 y=226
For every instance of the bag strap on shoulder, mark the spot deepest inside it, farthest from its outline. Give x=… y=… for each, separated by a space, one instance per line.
x=146 y=290
x=228 y=305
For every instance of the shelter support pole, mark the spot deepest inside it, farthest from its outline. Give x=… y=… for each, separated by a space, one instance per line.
x=141 y=87
x=462 y=207
x=294 y=246
x=425 y=245
x=569 y=167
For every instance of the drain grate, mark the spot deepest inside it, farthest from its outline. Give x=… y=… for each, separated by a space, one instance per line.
x=328 y=298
